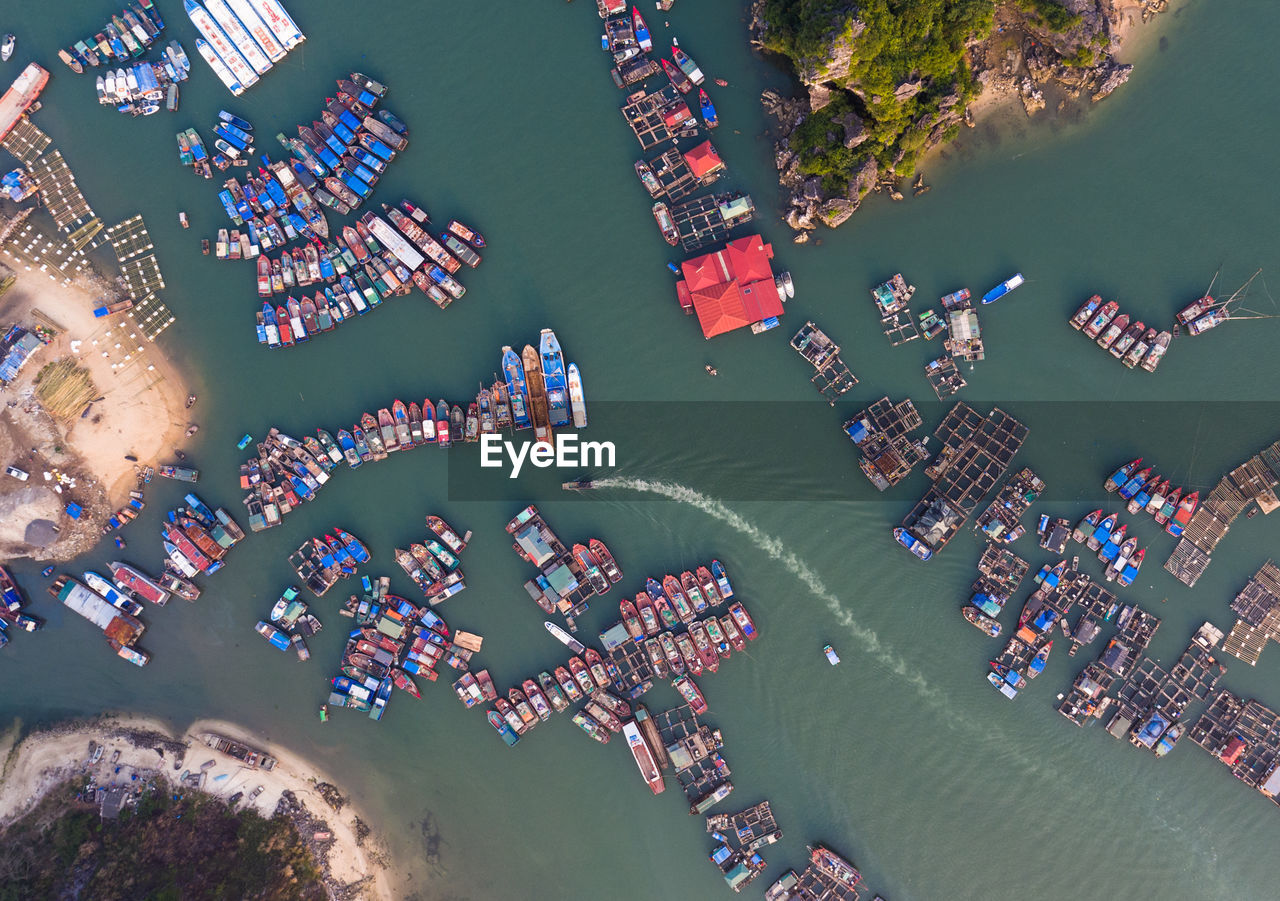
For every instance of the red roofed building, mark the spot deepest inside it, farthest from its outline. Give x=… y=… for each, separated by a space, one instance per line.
x=704 y=161
x=676 y=113
x=731 y=288
x=1231 y=753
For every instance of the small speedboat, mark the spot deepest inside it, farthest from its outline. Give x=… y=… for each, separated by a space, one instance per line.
x=6 y=49
x=832 y=657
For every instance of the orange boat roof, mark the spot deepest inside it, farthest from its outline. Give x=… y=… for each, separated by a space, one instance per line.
x=732 y=287
x=21 y=94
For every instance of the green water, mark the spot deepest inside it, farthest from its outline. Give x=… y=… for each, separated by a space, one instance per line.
x=902 y=757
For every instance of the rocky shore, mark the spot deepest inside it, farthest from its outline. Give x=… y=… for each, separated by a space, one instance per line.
x=1020 y=59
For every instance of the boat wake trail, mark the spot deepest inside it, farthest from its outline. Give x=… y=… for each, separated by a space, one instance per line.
x=777 y=551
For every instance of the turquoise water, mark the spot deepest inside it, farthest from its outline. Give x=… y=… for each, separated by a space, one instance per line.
x=902 y=757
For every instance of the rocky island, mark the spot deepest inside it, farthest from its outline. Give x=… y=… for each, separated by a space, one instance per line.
x=888 y=80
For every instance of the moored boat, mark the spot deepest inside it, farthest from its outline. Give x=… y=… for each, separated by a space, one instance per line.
x=1101 y=319
x=1086 y=311
x=981 y=621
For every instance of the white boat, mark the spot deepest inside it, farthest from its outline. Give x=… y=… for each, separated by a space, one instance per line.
x=220 y=44
x=565 y=638
x=6 y=49
x=110 y=87
x=112 y=594
x=235 y=32
x=788 y=286
x=261 y=32
x=832 y=657
x=577 y=399
x=219 y=67
x=102 y=89
x=281 y=25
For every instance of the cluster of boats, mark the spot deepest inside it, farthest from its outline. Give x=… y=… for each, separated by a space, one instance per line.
x=1147 y=493
x=289 y=624
x=1118 y=554
x=434 y=564
x=242 y=39
x=1130 y=342
x=196 y=539
x=11 y=604
x=125 y=37
x=652 y=621
x=321 y=562
x=536 y=393
x=365 y=265
x=140 y=89
x=394 y=641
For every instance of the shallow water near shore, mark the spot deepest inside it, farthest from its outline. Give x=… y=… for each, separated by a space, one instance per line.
x=902 y=757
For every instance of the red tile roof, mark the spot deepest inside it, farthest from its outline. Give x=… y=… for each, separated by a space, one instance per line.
x=704 y=159
x=1231 y=753
x=730 y=288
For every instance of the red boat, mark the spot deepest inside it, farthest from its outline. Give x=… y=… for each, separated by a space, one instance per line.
x=568 y=685
x=1183 y=515
x=674 y=660
x=595 y=666
x=679 y=601
x=707 y=583
x=522 y=706
x=678 y=79
x=648 y=618
x=1087 y=309
x=706 y=653
x=1114 y=331
x=603 y=716
x=664 y=611
x=631 y=619
x=403 y=682
x=583 y=676
x=690 y=654
x=1168 y=507
x=744 y=621
x=618 y=706
x=730 y=629
x=689 y=691
x=1101 y=320
x=509 y=714
x=607 y=563
x=487 y=691
x=537 y=699
x=657 y=660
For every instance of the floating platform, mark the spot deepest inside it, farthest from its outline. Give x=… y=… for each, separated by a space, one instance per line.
x=1245 y=736
x=709 y=219
x=831 y=377
x=130 y=238
x=658 y=117
x=694 y=751
x=748 y=830
x=892 y=296
x=60 y=193
x=675 y=179
x=944 y=377
x=26 y=141
x=1001 y=520
x=1258 y=608
x=882 y=433
x=900 y=328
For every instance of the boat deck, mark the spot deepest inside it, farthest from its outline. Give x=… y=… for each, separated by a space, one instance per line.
x=1013 y=500
x=26 y=141
x=944 y=377
x=1087 y=698
x=888 y=450
x=831 y=376
x=701 y=221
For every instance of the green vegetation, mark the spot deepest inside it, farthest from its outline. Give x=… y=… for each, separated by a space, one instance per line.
x=1051 y=14
x=891 y=43
x=195 y=847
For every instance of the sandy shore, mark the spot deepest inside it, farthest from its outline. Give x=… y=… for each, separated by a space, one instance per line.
x=353 y=858
x=142 y=412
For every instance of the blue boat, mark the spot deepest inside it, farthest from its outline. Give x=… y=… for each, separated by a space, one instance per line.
x=234 y=121
x=326 y=270
x=986 y=604
x=911 y=543
x=513 y=370
x=200 y=509
x=554 y=376
x=360 y=155
x=350 y=450
x=244 y=442
x=354 y=182
x=229 y=204
x=1102 y=532
x=1135 y=483
x=1111 y=547
x=506 y=732
x=342 y=133
x=277 y=638
x=230 y=137
x=372 y=144
x=354 y=546
x=362 y=171
x=1003 y=288
x=722 y=579
x=335 y=145
x=708 y=110
x=274 y=191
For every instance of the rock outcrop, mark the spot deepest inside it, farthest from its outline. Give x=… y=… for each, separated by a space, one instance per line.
x=1022 y=56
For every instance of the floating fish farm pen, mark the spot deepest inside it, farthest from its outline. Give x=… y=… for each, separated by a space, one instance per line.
x=1257 y=607
x=658 y=117
x=944 y=377
x=882 y=432
x=900 y=328
x=675 y=179
x=26 y=141
x=708 y=220
x=832 y=377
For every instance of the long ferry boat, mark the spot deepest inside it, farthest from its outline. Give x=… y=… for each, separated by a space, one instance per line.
x=553 y=376
x=565 y=638
x=21 y=94
x=221 y=45
x=261 y=32
x=236 y=33
x=279 y=21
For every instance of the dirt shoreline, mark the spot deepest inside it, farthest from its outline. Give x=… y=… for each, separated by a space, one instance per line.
x=140 y=410
x=354 y=862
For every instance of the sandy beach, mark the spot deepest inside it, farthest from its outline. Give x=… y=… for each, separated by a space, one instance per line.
x=352 y=858
x=139 y=411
